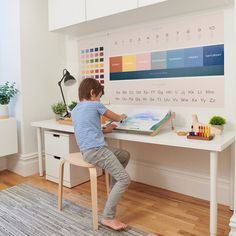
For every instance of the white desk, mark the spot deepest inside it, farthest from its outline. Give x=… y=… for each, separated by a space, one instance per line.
x=218 y=144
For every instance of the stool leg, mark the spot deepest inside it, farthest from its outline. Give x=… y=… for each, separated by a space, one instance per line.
x=107 y=177
x=60 y=186
x=93 y=182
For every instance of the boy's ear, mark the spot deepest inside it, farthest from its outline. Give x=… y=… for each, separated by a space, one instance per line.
x=91 y=92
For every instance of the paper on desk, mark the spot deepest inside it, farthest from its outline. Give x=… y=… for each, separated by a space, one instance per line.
x=143 y=121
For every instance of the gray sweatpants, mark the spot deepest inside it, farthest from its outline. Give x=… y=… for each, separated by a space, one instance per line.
x=114 y=161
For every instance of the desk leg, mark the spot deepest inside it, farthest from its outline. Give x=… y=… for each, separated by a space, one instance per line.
x=231 y=184
x=40 y=157
x=232 y=223
x=213 y=198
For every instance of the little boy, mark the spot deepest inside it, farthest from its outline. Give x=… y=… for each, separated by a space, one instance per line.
x=86 y=117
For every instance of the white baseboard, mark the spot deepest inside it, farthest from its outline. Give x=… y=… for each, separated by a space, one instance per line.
x=192 y=184
x=24 y=165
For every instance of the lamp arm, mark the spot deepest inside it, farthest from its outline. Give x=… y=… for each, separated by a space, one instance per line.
x=59 y=83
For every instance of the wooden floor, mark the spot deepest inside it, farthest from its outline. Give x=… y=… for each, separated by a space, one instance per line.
x=152 y=209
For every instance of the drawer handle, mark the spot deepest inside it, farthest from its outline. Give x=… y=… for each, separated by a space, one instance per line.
x=56 y=135
x=56 y=157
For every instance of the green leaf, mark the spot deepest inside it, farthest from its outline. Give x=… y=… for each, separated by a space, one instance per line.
x=59 y=108
x=217 y=120
x=7 y=91
x=72 y=105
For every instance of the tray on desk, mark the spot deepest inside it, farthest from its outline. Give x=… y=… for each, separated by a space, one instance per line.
x=200 y=137
x=66 y=121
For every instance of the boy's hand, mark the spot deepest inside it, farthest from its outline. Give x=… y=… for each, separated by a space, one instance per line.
x=109 y=128
x=123 y=117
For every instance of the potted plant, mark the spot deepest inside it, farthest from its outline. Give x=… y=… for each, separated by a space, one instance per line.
x=7 y=91
x=72 y=105
x=217 y=124
x=59 y=109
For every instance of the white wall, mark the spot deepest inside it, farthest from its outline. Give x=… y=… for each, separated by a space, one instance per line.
x=42 y=59
x=175 y=168
x=10 y=55
x=34 y=58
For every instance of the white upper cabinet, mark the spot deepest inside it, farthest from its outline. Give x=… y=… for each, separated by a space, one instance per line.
x=81 y=17
x=100 y=8
x=64 y=13
x=142 y=3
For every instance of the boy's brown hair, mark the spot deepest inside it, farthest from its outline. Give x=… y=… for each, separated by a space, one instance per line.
x=86 y=86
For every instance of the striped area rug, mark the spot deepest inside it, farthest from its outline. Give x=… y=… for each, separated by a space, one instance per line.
x=26 y=210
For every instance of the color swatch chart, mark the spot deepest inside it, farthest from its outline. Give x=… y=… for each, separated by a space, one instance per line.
x=188 y=62
x=176 y=62
x=92 y=63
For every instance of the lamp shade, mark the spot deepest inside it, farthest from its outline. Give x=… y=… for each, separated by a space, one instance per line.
x=69 y=79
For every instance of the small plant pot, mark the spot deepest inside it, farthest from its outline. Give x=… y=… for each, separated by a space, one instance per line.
x=217 y=129
x=58 y=117
x=4 y=112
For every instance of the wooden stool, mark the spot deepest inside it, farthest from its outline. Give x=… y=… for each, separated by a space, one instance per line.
x=77 y=159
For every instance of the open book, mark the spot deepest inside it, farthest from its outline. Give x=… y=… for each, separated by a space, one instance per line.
x=145 y=122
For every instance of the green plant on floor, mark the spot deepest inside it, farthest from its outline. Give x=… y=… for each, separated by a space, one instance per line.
x=59 y=108
x=72 y=105
x=217 y=120
x=7 y=91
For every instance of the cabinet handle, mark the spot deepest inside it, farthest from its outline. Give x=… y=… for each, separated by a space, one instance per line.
x=56 y=157
x=56 y=135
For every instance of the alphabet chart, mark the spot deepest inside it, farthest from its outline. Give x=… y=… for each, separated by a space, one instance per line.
x=174 y=63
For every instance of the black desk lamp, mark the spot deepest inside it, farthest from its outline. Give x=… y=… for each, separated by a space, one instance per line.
x=68 y=81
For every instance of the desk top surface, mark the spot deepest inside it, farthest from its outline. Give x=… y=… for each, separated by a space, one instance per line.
x=165 y=137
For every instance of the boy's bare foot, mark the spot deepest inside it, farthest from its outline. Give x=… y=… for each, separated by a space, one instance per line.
x=113 y=224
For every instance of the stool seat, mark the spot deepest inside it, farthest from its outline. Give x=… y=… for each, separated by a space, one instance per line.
x=77 y=159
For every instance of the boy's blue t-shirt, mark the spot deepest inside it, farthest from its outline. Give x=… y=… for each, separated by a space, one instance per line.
x=86 y=118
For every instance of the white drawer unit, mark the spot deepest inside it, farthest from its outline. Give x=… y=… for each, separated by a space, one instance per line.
x=73 y=175
x=57 y=145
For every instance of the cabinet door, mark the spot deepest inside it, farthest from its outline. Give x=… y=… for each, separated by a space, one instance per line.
x=96 y=9
x=62 y=13
x=8 y=136
x=142 y=3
